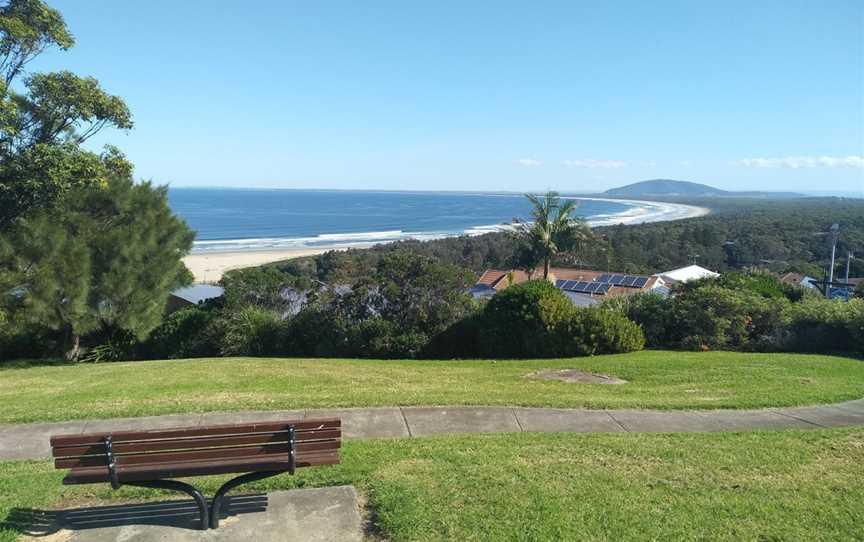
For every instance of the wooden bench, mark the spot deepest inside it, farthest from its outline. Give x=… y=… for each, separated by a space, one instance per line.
x=152 y=458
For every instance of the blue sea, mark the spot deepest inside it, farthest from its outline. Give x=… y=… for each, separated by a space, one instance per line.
x=260 y=219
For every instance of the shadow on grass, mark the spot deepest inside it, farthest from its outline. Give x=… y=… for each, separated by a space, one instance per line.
x=181 y=514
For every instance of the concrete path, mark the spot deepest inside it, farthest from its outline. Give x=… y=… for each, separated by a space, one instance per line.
x=30 y=441
x=329 y=514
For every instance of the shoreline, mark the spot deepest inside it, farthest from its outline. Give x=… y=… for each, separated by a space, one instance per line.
x=209 y=266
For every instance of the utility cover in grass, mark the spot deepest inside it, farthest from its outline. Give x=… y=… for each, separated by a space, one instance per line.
x=577 y=377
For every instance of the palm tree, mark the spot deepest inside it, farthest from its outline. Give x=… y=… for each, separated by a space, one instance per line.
x=553 y=230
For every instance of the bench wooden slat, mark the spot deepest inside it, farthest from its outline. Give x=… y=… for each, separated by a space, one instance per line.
x=198 y=442
x=140 y=473
x=174 y=456
x=300 y=426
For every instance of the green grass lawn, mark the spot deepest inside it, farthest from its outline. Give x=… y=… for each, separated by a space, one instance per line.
x=791 y=485
x=657 y=379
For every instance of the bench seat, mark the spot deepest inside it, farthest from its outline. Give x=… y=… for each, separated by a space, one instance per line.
x=151 y=458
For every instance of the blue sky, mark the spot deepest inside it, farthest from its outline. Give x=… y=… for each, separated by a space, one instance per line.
x=575 y=96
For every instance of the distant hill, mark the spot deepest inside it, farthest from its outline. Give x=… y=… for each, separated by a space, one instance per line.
x=669 y=187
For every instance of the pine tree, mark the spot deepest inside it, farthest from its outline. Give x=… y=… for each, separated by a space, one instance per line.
x=107 y=259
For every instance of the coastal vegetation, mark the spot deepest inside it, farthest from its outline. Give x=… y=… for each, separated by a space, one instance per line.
x=84 y=250
x=655 y=379
x=781 y=485
x=554 y=230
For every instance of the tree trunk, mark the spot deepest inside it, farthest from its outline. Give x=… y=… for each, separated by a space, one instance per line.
x=546 y=268
x=73 y=346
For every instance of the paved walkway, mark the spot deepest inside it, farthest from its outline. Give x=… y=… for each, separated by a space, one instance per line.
x=30 y=441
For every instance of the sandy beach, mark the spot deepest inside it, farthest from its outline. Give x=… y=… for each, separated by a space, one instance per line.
x=209 y=266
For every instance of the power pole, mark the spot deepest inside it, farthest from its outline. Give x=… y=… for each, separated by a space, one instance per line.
x=835 y=233
x=849 y=257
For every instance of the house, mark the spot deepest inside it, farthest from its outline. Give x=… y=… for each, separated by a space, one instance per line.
x=686 y=274
x=192 y=295
x=797 y=279
x=582 y=286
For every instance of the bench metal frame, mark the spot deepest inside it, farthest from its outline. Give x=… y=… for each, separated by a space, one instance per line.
x=209 y=515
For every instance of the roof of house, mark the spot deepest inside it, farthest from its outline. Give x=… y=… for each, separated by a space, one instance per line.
x=493 y=280
x=792 y=278
x=686 y=274
x=198 y=292
x=501 y=278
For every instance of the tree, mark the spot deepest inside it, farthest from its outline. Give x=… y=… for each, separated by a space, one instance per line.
x=106 y=259
x=553 y=230
x=43 y=125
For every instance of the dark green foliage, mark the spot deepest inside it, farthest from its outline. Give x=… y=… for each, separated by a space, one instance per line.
x=393 y=313
x=252 y=331
x=42 y=129
x=713 y=317
x=594 y=331
x=184 y=334
x=106 y=259
x=535 y=320
x=821 y=325
x=265 y=287
x=654 y=313
x=777 y=235
x=518 y=321
x=761 y=283
x=459 y=341
x=859 y=290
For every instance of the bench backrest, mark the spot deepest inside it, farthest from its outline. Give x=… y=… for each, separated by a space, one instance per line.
x=316 y=442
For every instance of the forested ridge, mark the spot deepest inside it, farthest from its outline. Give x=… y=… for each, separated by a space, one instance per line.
x=785 y=235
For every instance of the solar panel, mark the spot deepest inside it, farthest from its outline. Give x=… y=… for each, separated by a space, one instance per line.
x=569 y=284
x=594 y=286
x=580 y=286
x=616 y=279
x=604 y=289
x=628 y=281
x=604 y=277
x=641 y=282
x=560 y=283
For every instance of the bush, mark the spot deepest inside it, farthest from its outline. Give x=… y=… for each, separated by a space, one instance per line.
x=823 y=325
x=317 y=332
x=186 y=333
x=592 y=331
x=518 y=321
x=460 y=340
x=654 y=313
x=764 y=284
x=252 y=331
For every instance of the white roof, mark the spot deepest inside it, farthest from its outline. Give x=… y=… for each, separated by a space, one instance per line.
x=686 y=274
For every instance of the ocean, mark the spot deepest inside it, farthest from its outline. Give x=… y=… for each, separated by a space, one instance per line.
x=229 y=219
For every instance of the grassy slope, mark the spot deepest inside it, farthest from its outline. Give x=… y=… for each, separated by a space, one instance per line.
x=657 y=379
x=747 y=486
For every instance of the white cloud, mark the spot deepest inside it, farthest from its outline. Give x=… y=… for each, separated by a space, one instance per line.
x=596 y=164
x=529 y=162
x=799 y=162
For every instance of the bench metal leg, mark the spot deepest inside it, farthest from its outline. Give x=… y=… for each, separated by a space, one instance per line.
x=216 y=507
x=185 y=488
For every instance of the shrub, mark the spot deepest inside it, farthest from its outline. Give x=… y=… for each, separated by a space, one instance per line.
x=823 y=325
x=186 y=333
x=653 y=312
x=460 y=340
x=316 y=331
x=591 y=331
x=712 y=317
x=518 y=321
x=252 y=331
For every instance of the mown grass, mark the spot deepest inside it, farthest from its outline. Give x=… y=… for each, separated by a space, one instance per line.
x=795 y=485
x=657 y=379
